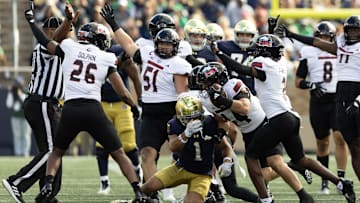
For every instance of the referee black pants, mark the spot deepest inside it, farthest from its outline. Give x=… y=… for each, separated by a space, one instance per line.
x=43 y=115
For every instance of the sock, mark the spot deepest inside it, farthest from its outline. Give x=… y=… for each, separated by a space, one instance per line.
x=134 y=157
x=49 y=179
x=104 y=178
x=102 y=160
x=302 y=194
x=266 y=200
x=341 y=173
x=135 y=186
x=324 y=160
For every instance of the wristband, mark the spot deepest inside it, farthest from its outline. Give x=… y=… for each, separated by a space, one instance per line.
x=304 y=84
x=182 y=140
x=227 y=159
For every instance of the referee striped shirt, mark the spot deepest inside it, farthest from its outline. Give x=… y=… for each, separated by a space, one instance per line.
x=46 y=77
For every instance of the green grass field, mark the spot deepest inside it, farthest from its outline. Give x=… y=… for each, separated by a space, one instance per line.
x=81 y=182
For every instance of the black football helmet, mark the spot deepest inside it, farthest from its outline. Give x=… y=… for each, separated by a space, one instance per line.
x=160 y=21
x=325 y=28
x=212 y=72
x=170 y=36
x=96 y=34
x=352 y=22
x=268 y=45
x=192 y=78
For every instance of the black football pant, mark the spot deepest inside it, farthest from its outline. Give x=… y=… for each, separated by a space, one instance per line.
x=43 y=116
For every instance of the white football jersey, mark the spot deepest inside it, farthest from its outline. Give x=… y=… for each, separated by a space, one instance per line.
x=157 y=75
x=271 y=92
x=246 y=123
x=348 y=60
x=184 y=46
x=85 y=69
x=321 y=67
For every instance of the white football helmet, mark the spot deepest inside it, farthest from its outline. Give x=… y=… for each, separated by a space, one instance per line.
x=195 y=34
x=245 y=27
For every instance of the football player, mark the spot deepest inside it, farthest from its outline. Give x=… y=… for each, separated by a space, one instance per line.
x=160 y=21
x=269 y=69
x=240 y=49
x=119 y=113
x=320 y=67
x=194 y=136
x=85 y=67
x=215 y=33
x=164 y=76
x=346 y=48
x=235 y=90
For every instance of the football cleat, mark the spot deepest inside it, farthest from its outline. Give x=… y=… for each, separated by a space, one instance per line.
x=104 y=188
x=307 y=176
x=347 y=188
x=219 y=196
x=13 y=191
x=324 y=190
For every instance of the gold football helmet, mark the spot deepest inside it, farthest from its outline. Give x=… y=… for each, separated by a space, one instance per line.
x=188 y=108
x=215 y=32
x=195 y=34
x=245 y=33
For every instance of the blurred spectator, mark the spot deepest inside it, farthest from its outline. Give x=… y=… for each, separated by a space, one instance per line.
x=236 y=10
x=121 y=13
x=3 y=60
x=211 y=10
x=304 y=27
x=132 y=29
x=224 y=23
x=20 y=128
x=261 y=16
x=149 y=10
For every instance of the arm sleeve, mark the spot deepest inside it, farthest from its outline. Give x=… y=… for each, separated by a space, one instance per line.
x=193 y=61
x=232 y=65
x=302 y=70
x=137 y=57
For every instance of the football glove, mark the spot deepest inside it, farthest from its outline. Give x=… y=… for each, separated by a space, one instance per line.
x=193 y=127
x=317 y=89
x=225 y=169
x=29 y=13
x=135 y=111
x=282 y=31
x=217 y=98
x=354 y=107
x=272 y=22
x=108 y=14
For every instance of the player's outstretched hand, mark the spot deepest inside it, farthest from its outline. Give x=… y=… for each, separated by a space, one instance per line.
x=225 y=169
x=108 y=14
x=282 y=31
x=29 y=13
x=193 y=127
x=272 y=23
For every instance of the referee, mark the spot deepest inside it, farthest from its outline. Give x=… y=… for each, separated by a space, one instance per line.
x=42 y=110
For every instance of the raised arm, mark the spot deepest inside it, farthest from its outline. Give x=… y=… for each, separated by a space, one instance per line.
x=131 y=69
x=330 y=47
x=62 y=31
x=51 y=45
x=121 y=36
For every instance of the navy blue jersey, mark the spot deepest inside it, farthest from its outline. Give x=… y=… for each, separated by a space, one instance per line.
x=197 y=156
x=205 y=55
x=108 y=94
x=242 y=56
